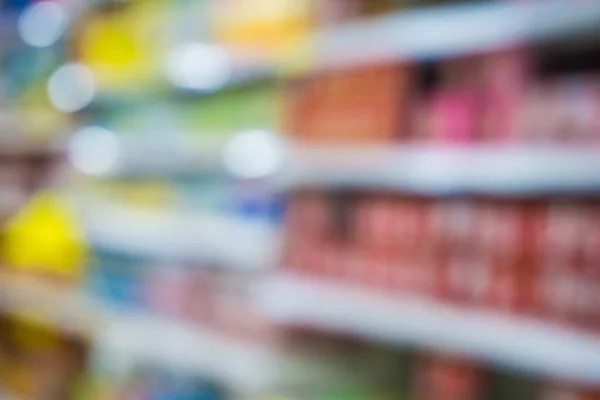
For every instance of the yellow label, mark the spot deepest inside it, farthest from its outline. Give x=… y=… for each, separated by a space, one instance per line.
x=44 y=236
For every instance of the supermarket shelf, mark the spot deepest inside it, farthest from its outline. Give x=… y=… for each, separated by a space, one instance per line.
x=40 y=303
x=452 y=30
x=438 y=170
x=127 y=337
x=230 y=242
x=140 y=157
x=244 y=366
x=514 y=342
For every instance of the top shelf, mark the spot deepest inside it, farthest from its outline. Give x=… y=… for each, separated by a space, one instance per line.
x=453 y=30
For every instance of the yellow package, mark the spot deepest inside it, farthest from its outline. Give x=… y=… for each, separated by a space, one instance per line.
x=275 y=30
x=45 y=237
x=123 y=46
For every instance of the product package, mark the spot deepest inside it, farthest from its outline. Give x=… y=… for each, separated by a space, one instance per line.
x=361 y=105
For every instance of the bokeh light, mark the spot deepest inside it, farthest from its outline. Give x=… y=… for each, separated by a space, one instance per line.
x=43 y=24
x=71 y=87
x=94 y=150
x=198 y=66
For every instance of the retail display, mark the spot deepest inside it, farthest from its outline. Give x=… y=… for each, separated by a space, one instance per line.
x=299 y=199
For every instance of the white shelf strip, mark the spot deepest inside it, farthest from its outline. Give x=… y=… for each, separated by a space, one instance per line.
x=515 y=342
x=452 y=30
x=157 y=156
x=437 y=170
x=225 y=240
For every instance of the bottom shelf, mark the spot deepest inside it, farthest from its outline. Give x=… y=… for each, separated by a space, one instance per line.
x=514 y=342
x=124 y=335
x=123 y=338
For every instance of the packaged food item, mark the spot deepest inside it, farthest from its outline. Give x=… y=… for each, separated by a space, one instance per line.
x=45 y=238
x=448 y=101
x=569 y=105
x=507 y=75
x=262 y=30
x=445 y=377
x=305 y=227
x=121 y=43
x=565 y=228
x=360 y=105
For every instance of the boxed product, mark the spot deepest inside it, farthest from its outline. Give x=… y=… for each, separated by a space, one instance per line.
x=448 y=101
x=506 y=78
x=263 y=31
x=359 y=105
x=561 y=111
x=122 y=43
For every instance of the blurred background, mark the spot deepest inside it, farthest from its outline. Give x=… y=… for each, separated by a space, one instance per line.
x=299 y=199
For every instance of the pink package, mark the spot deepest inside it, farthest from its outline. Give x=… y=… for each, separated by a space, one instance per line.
x=454 y=115
x=506 y=76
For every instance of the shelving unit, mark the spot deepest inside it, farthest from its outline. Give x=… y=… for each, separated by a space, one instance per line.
x=515 y=342
x=211 y=239
x=458 y=29
x=127 y=336
x=173 y=235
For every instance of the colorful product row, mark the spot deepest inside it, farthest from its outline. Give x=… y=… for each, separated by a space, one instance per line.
x=510 y=95
x=534 y=257
x=207 y=296
x=198 y=194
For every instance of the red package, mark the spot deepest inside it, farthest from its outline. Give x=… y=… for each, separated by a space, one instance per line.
x=570 y=298
x=421 y=275
x=509 y=233
x=563 y=236
x=453 y=227
x=376 y=224
x=374 y=268
x=466 y=280
x=305 y=226
x=512 y=290
x=446 y=378
x=412 y=231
